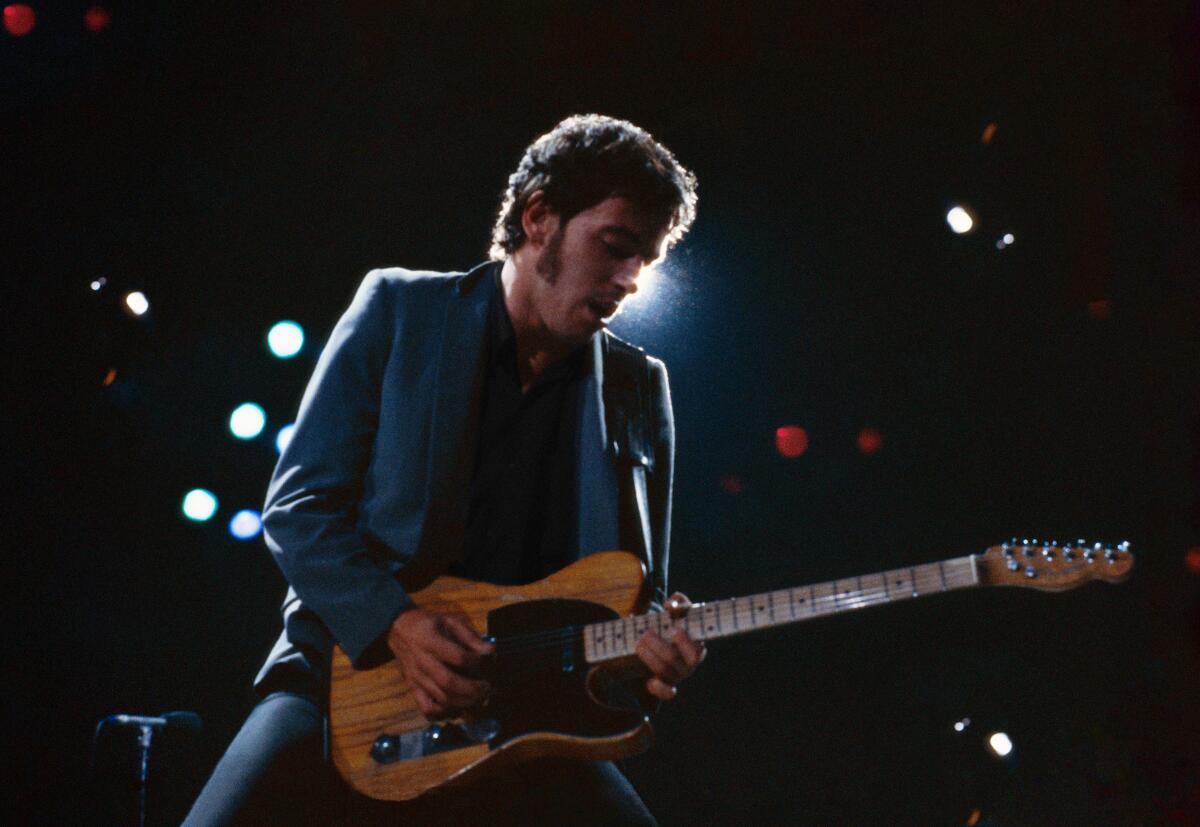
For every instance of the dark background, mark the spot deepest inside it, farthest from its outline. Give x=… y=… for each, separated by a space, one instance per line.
x=242 y=164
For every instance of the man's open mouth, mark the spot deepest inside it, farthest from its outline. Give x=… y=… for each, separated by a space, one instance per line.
x=603 y=309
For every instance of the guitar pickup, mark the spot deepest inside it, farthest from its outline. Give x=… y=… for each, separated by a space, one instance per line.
x=390 y=748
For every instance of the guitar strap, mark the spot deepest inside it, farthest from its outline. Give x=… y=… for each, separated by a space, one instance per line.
x=630 y=423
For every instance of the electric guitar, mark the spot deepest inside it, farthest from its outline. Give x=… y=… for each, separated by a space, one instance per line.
x=565 y=644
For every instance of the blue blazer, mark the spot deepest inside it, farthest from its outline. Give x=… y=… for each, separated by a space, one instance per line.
x=376 y=474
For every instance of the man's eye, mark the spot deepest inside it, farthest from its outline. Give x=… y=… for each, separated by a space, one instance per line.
x=615 y=251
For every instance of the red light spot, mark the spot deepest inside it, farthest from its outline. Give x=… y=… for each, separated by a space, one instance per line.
x=97 y=19
x=869 y=441
x=110 y=377
x=733 y=484
x=1192 y=559
x=989 y=132
x=791 y=441
x=19 y=19
x=1100 y=309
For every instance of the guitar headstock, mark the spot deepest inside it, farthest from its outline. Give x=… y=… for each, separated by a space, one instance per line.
x=1052 y=567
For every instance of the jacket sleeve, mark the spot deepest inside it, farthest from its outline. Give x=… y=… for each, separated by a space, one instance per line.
x=662 y=480
x=310 y=520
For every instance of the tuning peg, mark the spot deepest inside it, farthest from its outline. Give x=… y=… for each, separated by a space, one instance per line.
x=1013 y=565
x=1123 y=545
x=1048 y=552
x=1089 y=555
x=1110 y=555
x=1081 y=542
x=1069 y=553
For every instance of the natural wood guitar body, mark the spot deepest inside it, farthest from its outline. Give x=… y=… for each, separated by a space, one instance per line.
x=560 y=641
x=544 y=705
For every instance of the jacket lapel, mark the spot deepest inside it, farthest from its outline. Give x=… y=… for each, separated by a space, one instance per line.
x=596 y=507
x=451 y=440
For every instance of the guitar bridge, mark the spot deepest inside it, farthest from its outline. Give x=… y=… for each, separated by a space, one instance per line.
x=390 y=747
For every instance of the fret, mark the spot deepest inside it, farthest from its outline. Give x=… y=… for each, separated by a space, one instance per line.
x=616 y=638
x=822 y=598
x=874 y=589
x=759 y=618
x=727 y=616
x=846 y=594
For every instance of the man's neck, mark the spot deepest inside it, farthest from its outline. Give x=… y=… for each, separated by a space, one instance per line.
x=537 y=347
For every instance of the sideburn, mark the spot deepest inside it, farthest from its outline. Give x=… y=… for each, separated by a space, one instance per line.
x=548 y=263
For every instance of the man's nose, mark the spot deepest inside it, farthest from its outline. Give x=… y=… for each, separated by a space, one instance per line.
x=626 y=276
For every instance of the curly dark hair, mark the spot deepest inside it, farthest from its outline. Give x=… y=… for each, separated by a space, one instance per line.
x=586 y=159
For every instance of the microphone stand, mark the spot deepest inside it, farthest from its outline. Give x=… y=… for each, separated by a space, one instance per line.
x=147 y=732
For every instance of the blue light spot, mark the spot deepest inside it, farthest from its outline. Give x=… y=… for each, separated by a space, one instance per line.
x=199 y=505
x=284 y=437
x=247 y=421
x=246 y=524
x=285 y=339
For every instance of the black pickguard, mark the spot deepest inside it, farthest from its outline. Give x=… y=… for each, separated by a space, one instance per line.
x=539 y=678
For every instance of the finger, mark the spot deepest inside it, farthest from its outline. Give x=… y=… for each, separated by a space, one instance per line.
x=660 y=689
x=424 y=703
x=464 y=633
x=459 y=691
x=692 y=651
x=435 y=694
x=661 y=658
x=678 y=604
x=447 y=648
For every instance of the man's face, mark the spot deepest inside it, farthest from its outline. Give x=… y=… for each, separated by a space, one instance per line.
x=588 y=266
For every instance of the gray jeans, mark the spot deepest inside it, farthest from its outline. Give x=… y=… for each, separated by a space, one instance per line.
x=275 y=772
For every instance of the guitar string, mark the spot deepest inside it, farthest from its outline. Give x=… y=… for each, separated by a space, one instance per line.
x=515 y=679
x=862 y=598
x=517 y=644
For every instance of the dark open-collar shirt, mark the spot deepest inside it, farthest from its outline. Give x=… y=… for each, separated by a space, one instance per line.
x=520 y=514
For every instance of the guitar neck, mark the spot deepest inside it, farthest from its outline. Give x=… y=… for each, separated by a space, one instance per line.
x=738 y=615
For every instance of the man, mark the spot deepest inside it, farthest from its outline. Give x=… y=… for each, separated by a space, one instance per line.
x=463 y=421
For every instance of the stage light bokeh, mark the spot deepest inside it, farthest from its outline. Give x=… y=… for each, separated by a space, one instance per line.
x=869 y=441
x=247 y=420
x=285 y=339
x=284 y=437
x=791 y=441
x=137 y=303
x=1000 y=744
x=960 y=220
x=97 y=19
x=246 y=524
x=199 y=505
x=19 y=19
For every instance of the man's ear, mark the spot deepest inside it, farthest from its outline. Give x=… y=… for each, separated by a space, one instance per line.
x=538 y=221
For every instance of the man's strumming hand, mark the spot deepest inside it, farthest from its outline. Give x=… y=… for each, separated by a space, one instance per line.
x=670 y=661
x=434 y=651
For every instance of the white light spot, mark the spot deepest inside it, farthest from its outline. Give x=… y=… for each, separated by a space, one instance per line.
x=1008 y=238
x=1000 y=744
x=284 y=437
x=246 y=524
x=959 y=726
x=199 y=505
x=137 y=303
x=960 y=220
x=98 y=284
x=247 y=421
x=285 y=339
